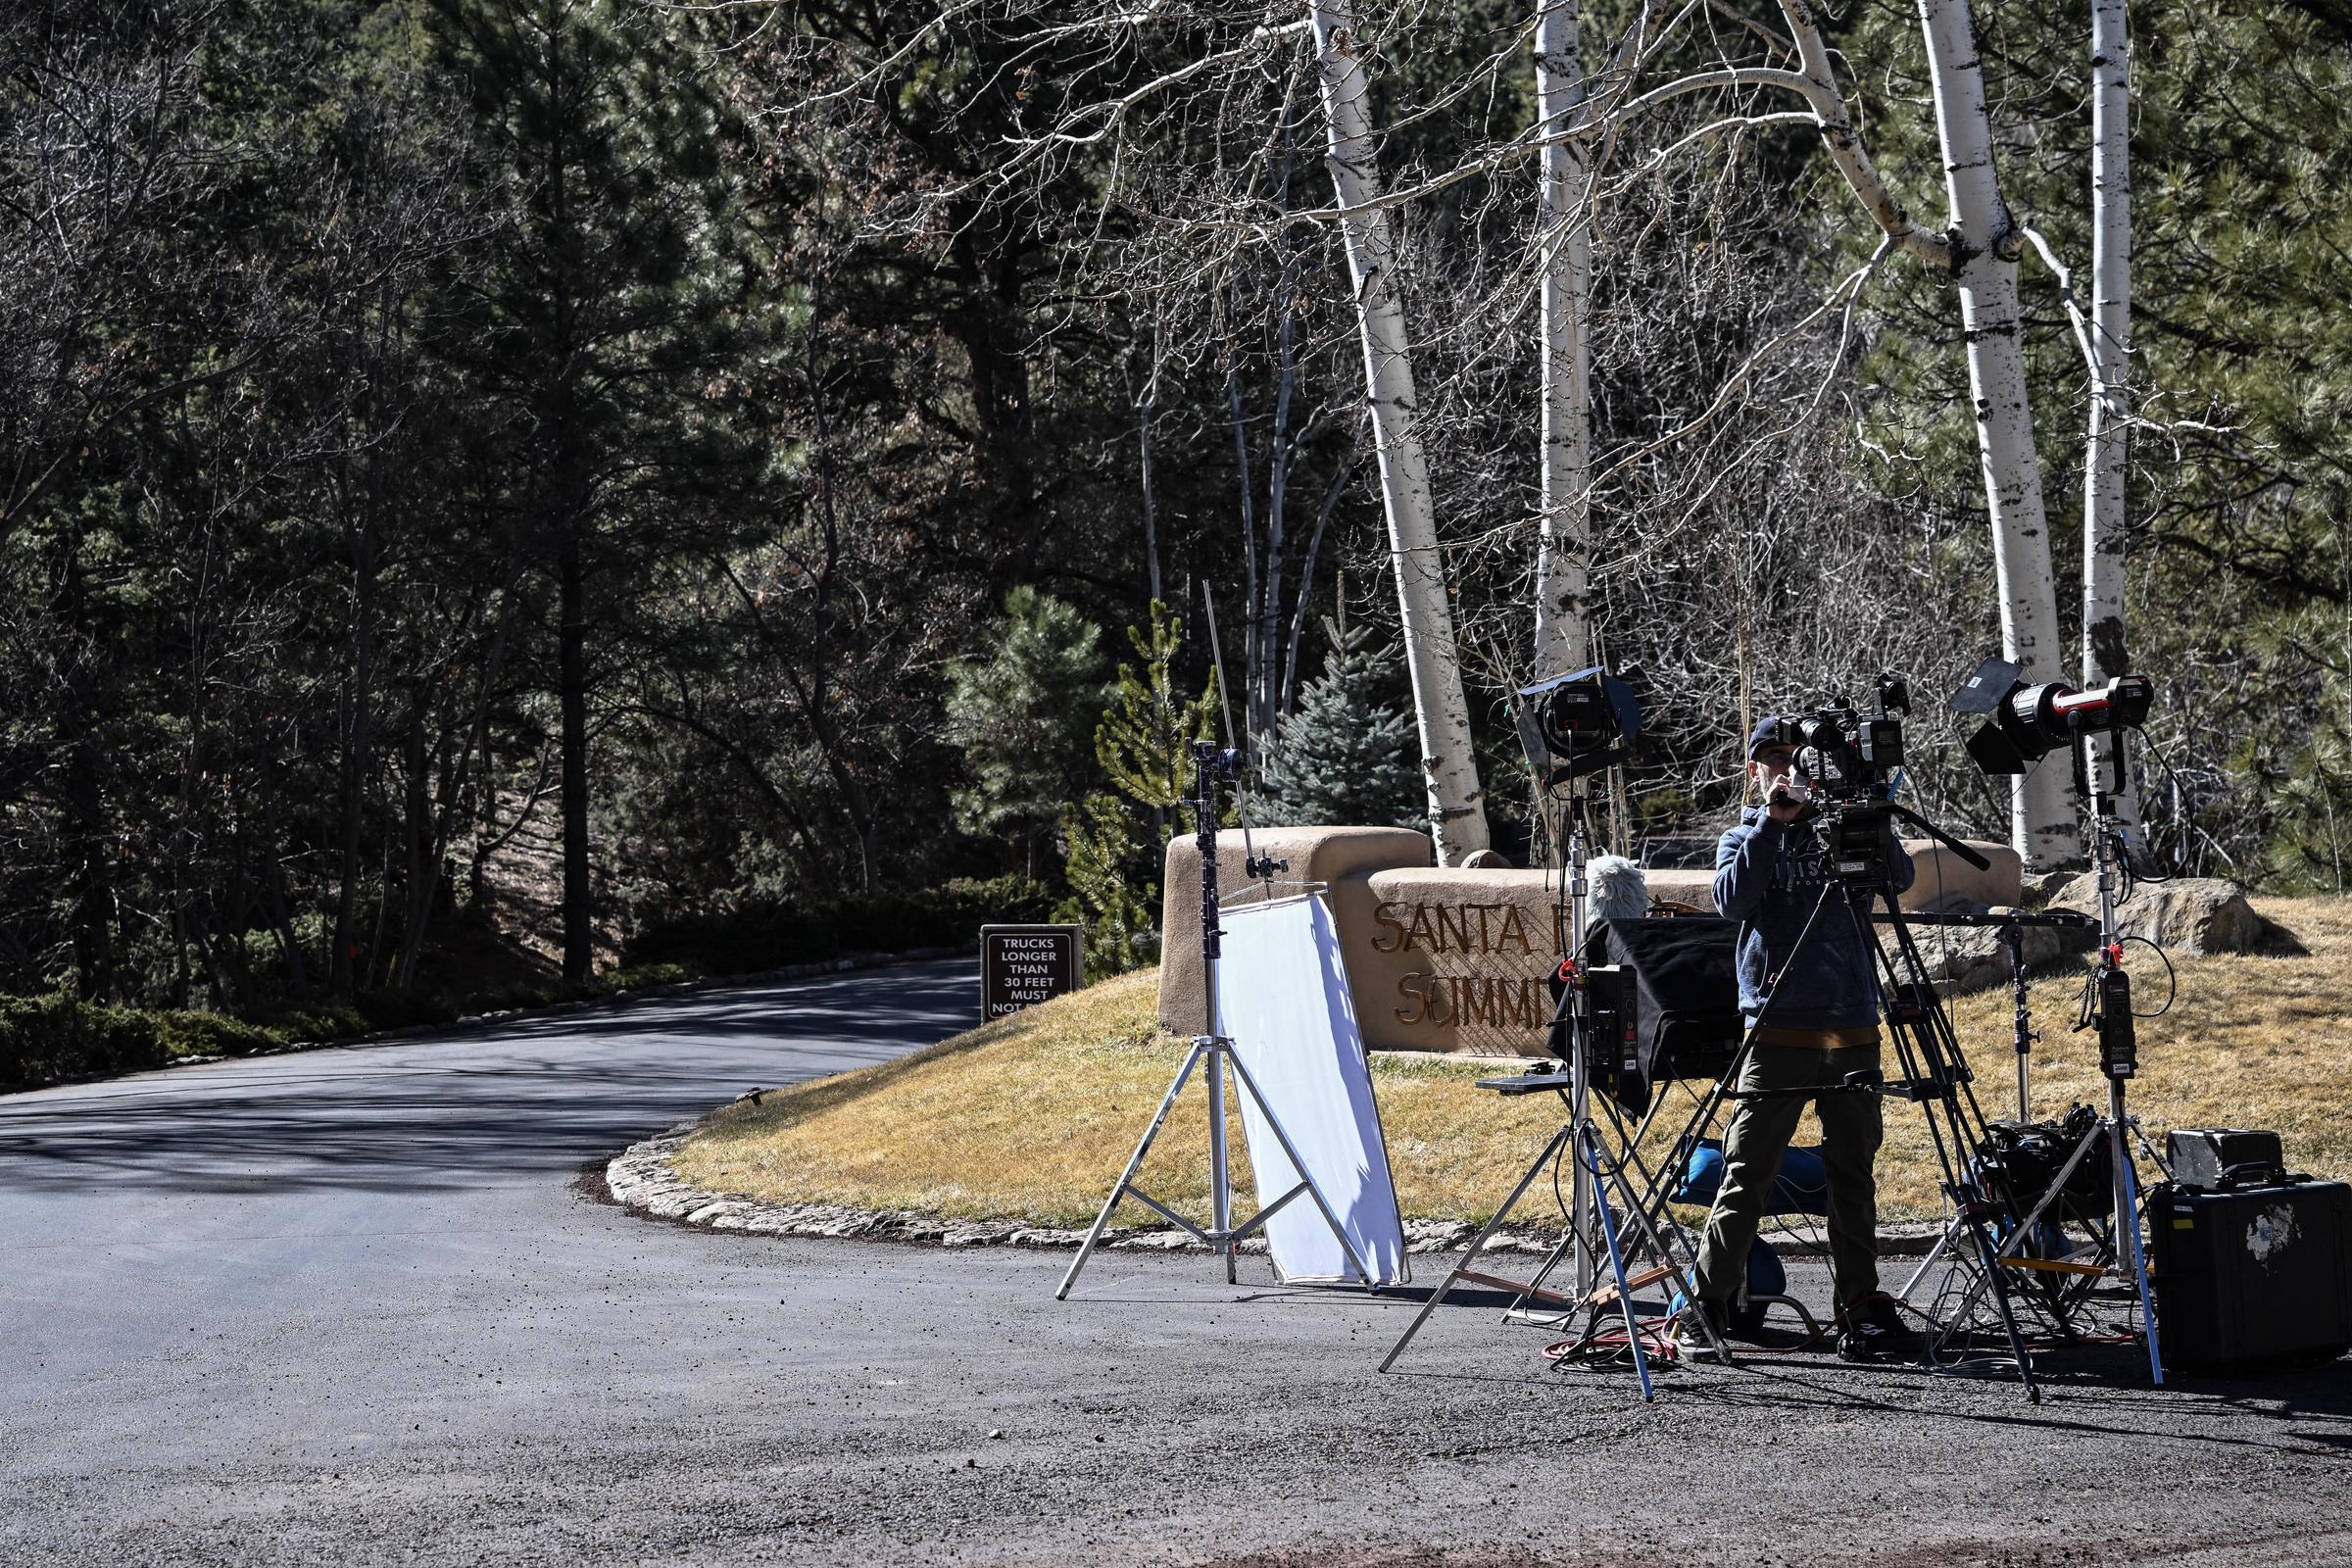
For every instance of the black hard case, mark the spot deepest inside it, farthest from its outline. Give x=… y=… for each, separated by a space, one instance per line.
x=2251 y=1275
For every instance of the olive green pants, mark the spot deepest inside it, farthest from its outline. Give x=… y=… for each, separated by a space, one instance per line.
x=1751 y=1162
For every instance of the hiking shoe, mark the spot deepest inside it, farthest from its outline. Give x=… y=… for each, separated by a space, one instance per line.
x=1872 y=1328
x=1691 y=1343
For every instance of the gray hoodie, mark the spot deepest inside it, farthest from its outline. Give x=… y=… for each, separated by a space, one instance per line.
x=1768 y=876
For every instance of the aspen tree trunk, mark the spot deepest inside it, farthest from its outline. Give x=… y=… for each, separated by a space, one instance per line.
x=1457 y=818
x=1985 y=244
x=1563 y=564
x=2110 y=349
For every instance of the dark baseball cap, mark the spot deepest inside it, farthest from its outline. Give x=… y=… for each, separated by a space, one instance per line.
x=1767 y=733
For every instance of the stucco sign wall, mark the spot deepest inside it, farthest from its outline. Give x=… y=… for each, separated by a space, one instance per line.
x=1447 y=959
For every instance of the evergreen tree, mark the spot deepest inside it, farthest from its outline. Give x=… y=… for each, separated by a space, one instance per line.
x=1345 y=755
x=598 y=317
x=1116 y=837
x=1022 y=717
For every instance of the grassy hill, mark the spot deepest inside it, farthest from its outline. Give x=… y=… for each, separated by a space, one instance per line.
x=1032 y=1116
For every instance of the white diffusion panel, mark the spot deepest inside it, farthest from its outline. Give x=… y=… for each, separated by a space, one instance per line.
x=1282 y=998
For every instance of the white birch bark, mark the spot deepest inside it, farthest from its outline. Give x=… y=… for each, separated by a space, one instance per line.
x=1457 y=816
x=1985 y=247
x=2103 y=474
x=1563 y=564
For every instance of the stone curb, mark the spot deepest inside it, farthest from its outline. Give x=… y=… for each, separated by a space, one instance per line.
x=642 y=1180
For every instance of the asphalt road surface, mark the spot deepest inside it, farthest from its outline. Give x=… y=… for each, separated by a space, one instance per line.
x=348 y=1307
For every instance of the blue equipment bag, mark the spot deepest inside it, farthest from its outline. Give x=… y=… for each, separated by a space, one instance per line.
x=1802 y=1187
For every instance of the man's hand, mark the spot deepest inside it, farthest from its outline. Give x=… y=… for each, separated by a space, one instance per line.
x=1782 y=803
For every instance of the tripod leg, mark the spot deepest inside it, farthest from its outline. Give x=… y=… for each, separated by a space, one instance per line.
x=2000 y=1300
x=1591 y=1153
x=1119 y=1188
x=2127 y=1218
x=1685 y=1280
x=1220 y=1176
x=1478 y=1243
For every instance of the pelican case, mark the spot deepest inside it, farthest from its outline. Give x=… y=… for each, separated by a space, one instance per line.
x=2251 y=1275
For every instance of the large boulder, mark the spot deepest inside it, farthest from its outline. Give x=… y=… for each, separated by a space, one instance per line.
x=2189 y=914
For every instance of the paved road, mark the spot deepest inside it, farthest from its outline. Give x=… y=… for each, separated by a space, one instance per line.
x=346 y=1307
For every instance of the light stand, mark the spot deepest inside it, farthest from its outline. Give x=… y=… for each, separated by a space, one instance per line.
x=1215 y=1052
x=1581 y=1186
x=2111 y=1016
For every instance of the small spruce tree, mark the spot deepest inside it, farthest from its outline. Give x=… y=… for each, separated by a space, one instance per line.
x=1345 y=756
x=1114 y=838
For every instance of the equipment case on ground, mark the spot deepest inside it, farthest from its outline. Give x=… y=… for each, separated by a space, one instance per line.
x=2249 y=1275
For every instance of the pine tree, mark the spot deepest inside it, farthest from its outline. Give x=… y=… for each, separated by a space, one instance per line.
x=1345 y=755
x=1116 y=838
x=1022 y=717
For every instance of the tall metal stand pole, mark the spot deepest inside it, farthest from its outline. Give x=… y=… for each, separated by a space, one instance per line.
x=1580 y=1193
x=2014 y=938
x=2119 y=1047
x=1213 y=947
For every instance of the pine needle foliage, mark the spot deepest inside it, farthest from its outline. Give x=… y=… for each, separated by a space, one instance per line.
x=1114 y=837
x=1344 y=757
x=1022 y=716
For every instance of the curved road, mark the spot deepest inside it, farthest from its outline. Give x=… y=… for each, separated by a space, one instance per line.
x=346 y=1307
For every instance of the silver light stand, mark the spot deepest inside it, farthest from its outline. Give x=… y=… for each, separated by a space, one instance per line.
x=1212 y=1046
x=2111 y=1017
x=1581 y=1206
x=1596 y=1237
x=1213 y=1051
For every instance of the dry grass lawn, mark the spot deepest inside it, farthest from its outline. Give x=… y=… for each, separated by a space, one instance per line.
x=1031 y=1117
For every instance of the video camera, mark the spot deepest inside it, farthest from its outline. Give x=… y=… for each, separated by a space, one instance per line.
x=1849 y=758
x=1573 y=724
x=2029 y=722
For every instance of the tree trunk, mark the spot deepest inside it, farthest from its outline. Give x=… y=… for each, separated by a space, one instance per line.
x=1563 y=561
x=2103 y=479
x=1145 y=407
x=1985 y=244
x=571 y=677
x=1457 y=817
x=357 y=761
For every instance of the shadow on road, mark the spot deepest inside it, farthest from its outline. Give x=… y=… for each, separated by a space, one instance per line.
x=533 y=1094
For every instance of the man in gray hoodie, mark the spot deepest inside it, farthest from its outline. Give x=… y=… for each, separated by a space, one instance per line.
x=1824 y=1025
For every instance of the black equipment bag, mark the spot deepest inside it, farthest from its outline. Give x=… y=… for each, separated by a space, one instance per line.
x=1672 y=1008
x=2030 y=1155
x=2255 y=1275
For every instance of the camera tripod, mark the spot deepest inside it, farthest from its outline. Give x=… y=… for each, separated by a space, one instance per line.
x=1215 y=1052
x=1857 y=876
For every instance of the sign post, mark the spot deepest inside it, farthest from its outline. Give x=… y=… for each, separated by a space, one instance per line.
x=1022 y=965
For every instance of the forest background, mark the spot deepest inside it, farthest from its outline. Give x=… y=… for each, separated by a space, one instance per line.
x=501 y=500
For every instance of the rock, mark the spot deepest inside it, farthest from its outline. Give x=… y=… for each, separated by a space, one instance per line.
x=1486 y=860
x=2037 y=888
x=1437 y=1235
x=2189 y=915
